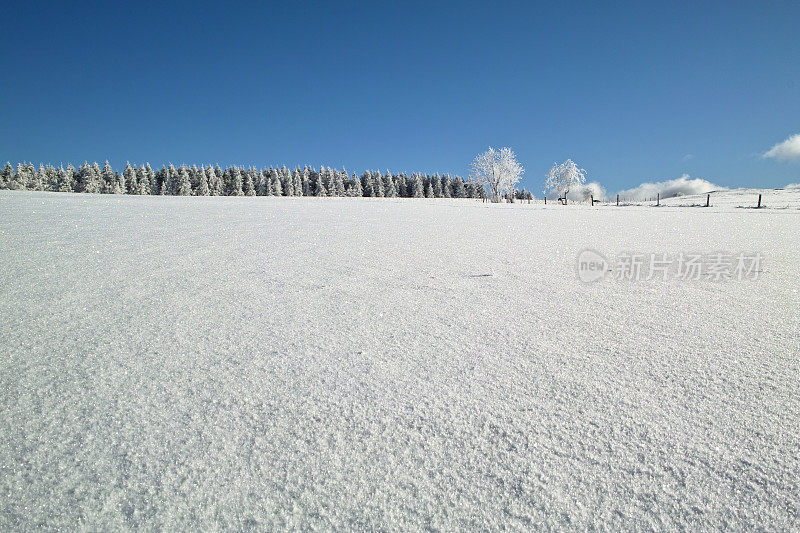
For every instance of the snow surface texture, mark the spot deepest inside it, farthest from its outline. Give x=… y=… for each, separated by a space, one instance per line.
x=257 y=363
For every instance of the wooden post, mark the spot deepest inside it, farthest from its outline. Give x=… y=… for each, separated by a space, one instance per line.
x=658 y=199
x=759 y=201
x=708 y=200
x=591 y=196
x=545 y=200
x=618 y=200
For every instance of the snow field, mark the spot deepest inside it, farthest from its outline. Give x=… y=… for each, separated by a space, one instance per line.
x=349 y=363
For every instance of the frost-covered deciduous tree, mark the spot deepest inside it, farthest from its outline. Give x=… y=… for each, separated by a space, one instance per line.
x=499 y=170
x=563 y=177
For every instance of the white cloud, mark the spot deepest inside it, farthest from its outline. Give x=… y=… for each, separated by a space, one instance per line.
x=682 y=186
x=793 y=186
x=688 y=157
x=787 y=150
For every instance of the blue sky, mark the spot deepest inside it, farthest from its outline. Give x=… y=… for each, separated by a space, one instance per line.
x=631 y=91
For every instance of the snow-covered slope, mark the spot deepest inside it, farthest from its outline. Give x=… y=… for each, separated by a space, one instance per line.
x=259 y=363
x=734 y=198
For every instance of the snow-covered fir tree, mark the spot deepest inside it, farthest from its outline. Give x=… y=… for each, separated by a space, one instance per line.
x=202 y=185
x=37 y=183
x=68 y=184
x=184 y=182
x=129 y=176
x=306 y=182
x=428 y=188
x=319 y=185
x=236 y=182
x=249 y=187
x=287 y=183
x=366 y=184
x=263 y=187
x=275 y=182
x=355 y=186
x=143 y=180
x=337 y=184
x=41 y=178
x=417 y=190
x=6 y=176
x=402 y=185
x=150 y=177
x=297 y=182
x=171 y=180
x=389 y=188
x=459 y=190
x=90 y=180
x=162 y=178
x=214 y=182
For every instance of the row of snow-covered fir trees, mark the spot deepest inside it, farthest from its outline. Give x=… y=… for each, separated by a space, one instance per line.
x=234 y=181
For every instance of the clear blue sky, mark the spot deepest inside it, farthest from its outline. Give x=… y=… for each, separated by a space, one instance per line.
x=631 y=91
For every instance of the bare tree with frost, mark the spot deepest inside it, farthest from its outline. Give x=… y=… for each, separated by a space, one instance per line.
x=499 y=170
x=563 y=177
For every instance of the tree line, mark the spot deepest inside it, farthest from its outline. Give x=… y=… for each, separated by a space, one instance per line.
x=235 y=181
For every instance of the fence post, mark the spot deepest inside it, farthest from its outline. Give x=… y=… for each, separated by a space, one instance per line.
x=759 y=201
x=658 y=199
x=708 y=200
x=618 y=200
x=545 y=200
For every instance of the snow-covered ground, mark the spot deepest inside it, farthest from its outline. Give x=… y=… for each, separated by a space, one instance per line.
x=738 y=198
x=257 y=363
